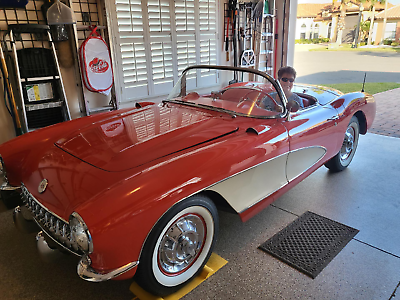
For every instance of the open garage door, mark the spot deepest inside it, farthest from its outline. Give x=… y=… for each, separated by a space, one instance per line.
x=350 y=28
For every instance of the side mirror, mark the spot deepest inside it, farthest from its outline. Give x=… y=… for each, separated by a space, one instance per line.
x=293 y=106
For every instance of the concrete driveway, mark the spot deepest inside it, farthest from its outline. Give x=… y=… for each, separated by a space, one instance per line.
x=319 y=67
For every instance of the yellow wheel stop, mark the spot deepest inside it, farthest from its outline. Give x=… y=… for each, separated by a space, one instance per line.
x=215 y=263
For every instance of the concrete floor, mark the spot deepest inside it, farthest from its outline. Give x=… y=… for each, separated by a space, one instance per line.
x=365 y=196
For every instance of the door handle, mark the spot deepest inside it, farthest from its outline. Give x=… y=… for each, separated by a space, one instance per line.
x=333 y=118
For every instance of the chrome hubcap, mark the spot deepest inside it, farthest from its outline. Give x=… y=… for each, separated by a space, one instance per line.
x=348 y=144
x=181 y=244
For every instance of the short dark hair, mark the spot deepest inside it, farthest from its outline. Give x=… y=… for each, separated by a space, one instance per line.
x=287 y=70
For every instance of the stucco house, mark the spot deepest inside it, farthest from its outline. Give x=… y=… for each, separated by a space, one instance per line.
x=321 y=20
x=392 y=28
x=306 y=26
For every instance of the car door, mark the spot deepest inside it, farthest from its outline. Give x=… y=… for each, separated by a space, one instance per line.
x=257 y=164
x=313 y=135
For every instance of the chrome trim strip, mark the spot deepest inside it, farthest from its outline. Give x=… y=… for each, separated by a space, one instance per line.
x=262 y=198
x=86 y=272
x=286 y=174
x=252 y=167
x=6 y=187
x=204 y=189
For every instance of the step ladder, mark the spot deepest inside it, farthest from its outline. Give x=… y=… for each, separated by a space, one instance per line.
x=38 y=76
x=266 y=61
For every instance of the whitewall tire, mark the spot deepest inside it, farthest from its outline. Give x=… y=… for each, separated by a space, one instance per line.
x=179 y=246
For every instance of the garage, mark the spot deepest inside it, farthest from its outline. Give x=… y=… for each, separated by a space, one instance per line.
x=150 y=139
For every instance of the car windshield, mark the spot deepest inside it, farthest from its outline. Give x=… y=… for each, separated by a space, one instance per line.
x=237 y=91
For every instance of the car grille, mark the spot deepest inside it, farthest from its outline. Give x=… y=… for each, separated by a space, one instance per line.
x=53 y=225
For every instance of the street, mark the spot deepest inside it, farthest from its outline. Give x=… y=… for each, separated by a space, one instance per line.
x=321 y=67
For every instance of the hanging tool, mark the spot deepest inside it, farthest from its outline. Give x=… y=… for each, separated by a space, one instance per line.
x=233 y=8
x=8 y=88
x=248 y=59
x=227 y=39
x=256 y=17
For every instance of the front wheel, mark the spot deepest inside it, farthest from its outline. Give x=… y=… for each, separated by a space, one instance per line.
x=179 y=246
x=344 y=157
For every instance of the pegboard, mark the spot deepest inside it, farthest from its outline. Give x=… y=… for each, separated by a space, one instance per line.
x=86 y=13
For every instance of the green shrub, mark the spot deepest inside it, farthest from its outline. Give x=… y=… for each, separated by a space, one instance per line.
x=325 y=40
x=394 y=44
x=387 y=42
x=362 y=44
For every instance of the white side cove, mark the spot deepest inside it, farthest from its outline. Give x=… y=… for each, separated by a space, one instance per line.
x=249 y=187
x=301 y=160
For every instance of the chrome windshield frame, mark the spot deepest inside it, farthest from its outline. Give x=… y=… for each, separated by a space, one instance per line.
x=268 y=77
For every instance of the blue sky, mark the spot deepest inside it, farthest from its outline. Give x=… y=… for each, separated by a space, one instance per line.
x=395 y=2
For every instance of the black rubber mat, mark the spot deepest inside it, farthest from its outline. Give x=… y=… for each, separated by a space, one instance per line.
x=309 y=243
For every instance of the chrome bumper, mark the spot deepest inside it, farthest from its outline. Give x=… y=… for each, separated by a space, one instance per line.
x=47 y=253
x=86 y=272
x=23 y=220
x=48 y=248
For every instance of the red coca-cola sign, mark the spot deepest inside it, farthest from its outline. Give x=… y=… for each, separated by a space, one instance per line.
x=97 y=65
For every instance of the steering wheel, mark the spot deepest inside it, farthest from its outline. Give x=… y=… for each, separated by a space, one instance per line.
x=277 y=106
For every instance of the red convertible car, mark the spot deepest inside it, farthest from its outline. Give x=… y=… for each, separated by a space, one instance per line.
x=136 y=191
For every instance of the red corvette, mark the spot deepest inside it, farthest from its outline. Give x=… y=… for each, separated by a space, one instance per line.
x=136 y=191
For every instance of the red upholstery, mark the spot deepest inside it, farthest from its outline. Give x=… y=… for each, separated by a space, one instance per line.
x=306 y=102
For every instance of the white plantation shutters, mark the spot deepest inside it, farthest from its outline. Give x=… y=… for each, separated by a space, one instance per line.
x=159 y=20
x=158 y=39
x=132 y=54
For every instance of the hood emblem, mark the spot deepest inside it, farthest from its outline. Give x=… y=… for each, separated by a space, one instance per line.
x=42 y=186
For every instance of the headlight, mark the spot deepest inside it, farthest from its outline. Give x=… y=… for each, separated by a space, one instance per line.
x=80 y=233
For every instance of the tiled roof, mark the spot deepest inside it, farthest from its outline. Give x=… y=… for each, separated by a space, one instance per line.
x=391 y=13
x=309 y=10
x=313 y=10
x=378 y=5
x=354 y=6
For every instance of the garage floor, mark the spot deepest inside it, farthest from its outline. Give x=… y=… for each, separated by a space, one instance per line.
x=365 y=196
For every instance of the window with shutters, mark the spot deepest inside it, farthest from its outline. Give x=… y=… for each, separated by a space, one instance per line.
x=155 y=40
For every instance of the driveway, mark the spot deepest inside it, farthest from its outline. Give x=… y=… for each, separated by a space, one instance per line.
x=320 y=67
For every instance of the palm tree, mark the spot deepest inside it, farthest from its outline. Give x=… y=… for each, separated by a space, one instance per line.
x=371 y=25
x=341 y=21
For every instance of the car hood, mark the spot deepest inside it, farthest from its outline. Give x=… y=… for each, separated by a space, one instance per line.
x=140 y=136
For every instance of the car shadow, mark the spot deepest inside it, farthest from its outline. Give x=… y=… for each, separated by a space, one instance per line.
x=380 y=54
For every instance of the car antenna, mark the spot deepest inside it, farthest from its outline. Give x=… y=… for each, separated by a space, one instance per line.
x=365 y=75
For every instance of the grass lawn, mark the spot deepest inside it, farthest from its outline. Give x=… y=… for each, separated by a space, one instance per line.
x=347 y=47
x=370 y=87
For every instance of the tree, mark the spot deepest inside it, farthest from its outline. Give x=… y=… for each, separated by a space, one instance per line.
x=364 y=28
x=341 y=21
x=372 y=7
